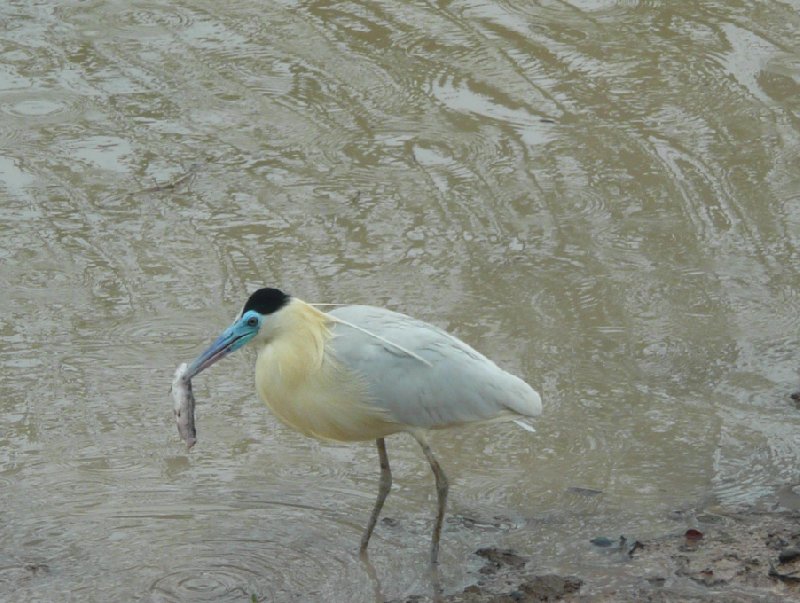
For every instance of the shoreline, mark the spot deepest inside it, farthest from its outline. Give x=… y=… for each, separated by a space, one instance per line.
x=733 y=557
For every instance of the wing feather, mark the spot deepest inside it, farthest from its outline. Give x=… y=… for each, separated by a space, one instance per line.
x=456 y=384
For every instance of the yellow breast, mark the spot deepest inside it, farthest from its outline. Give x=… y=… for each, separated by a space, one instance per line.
x=308 y=390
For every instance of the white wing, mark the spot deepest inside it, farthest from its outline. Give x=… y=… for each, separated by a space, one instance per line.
x=442 y=382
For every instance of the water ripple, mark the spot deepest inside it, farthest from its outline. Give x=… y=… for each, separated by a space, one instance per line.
x=602 y=197
x=214 y=577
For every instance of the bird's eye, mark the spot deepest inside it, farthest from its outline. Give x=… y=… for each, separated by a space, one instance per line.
x=252 y=321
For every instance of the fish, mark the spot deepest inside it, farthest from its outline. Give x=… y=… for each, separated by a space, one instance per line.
x=183 y=408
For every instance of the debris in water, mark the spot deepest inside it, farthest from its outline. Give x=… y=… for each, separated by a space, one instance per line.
x=588 y=492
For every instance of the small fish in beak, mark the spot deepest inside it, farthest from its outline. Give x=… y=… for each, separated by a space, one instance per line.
x=184 y=405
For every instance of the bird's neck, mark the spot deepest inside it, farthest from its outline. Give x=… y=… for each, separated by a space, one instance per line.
x=297 y=346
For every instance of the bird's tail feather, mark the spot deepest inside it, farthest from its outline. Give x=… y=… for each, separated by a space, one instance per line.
x=524 y=425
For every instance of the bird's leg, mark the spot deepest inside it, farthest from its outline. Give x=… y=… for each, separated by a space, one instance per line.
x=384 y=486
x=441 y=492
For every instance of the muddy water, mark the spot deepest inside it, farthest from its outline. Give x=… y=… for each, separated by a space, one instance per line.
x=602 y=196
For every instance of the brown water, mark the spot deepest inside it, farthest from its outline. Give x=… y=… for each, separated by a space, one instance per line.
x=603 y=196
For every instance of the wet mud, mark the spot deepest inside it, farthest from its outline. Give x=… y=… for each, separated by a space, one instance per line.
x=749 y=555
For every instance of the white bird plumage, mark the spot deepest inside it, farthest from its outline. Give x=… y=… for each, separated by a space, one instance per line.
x=362 y=373
x=458 y=386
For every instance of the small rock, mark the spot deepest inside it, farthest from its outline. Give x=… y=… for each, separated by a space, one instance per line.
x=788 y=555
x=775 y=541
x=498 y=558
x=635 y=547
x=706 y=578
x=789 y=578
x=549 y=587
x=601 y=541
x=692 y=534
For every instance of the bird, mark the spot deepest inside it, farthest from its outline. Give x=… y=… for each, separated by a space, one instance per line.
x=362 y=373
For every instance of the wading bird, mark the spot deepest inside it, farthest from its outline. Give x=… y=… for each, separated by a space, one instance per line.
x=362 y=373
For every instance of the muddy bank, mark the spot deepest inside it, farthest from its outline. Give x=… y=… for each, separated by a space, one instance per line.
x=732 y=557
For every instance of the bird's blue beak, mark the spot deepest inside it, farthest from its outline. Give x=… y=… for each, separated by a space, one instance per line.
x=234 y=337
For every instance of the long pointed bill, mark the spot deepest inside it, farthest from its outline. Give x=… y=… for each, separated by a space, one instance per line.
x=223 y=346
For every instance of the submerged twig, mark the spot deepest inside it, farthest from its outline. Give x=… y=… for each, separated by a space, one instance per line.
x=173 y=184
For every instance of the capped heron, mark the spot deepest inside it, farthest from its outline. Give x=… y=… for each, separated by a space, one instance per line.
x=362 y=373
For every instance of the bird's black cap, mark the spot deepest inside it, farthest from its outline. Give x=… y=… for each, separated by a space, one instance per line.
x=266 y=301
